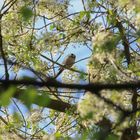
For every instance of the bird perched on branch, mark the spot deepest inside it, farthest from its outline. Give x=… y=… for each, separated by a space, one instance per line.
x=67 y=63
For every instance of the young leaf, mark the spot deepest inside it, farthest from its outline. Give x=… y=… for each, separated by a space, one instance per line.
x=26 y=13
x=29 y=96
x=6 y=96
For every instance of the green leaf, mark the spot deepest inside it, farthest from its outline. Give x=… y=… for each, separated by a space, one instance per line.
x=138 y=114
x=17 y=119
x=6 y=96
x=88 y=116
x=62 y=35
x=26 y=13
x=58 y=135
x=29 y=96
x=137 y=8
x=84 y=136
x=43 y=100
x=138 y=33
x=28 y=125
x=52 y=26
x=83 y=14
x=111 y=18
x=112 y=137
x=82 y=76
x=109 y=44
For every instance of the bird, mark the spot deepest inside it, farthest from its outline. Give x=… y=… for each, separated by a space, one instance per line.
x=67 y=63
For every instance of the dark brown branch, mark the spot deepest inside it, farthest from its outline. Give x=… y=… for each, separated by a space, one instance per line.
x=3 y=53
x=124 y=41
x=93 y=87
x=62 y=106
x=53 y=104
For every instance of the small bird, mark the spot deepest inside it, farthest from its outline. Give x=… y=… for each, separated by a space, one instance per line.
x=68 y=63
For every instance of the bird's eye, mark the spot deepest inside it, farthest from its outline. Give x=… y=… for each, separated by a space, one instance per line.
x=72 y=55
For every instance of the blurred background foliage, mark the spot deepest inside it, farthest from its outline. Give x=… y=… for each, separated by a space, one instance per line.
x=36 y=35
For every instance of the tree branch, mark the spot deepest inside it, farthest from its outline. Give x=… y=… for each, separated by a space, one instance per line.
x=2 y=53
x=52 y=104
x=124 y=41
x=93 y=87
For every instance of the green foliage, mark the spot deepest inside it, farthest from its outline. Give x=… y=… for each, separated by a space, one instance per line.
x=62 y=35
x=6 y=96
x=111 y=17
x=82 y=76
x=112 y=137
x=29 y=96
x=58 y=135
x=103 y=30
x=26 y=13
x=43 y=100
x=109 y=43
x=52 y=26
x=84 y=14
x=89 y=115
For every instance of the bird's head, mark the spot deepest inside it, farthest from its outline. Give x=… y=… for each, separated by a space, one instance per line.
x=73 y=55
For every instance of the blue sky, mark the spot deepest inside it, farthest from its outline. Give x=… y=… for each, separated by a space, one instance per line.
x=1 y=3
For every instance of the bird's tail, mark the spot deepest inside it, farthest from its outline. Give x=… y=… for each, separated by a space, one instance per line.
x=60 y=71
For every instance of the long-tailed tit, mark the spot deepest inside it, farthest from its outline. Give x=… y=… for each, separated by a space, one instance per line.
x=68 y=62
